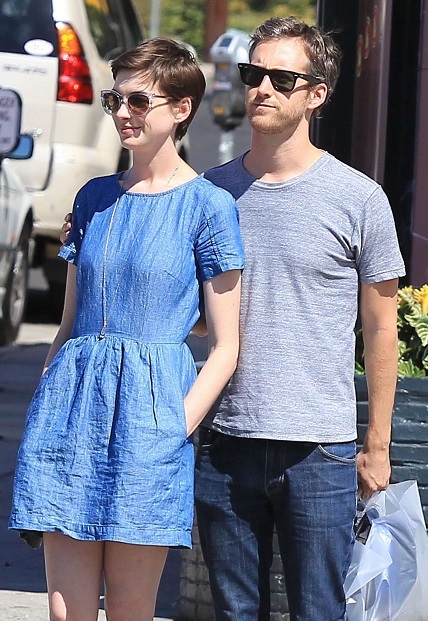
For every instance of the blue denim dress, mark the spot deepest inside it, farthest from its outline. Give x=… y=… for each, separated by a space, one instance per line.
x=104 y=454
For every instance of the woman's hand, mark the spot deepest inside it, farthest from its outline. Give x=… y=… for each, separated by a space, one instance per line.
x=66 y=228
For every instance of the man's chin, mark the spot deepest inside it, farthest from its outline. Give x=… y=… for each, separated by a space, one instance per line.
x=262 y=126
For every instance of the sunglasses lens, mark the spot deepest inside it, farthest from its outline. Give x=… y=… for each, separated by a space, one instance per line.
x=110 y=102
x=283 y=81
x=138 y=103
x=251 y=75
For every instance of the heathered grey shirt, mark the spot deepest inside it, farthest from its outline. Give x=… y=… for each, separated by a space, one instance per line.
x=309 y=242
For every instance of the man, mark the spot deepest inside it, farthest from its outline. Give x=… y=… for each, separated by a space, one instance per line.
x=278 y=450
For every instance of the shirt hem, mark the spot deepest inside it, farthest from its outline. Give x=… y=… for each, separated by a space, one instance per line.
x=286 y=437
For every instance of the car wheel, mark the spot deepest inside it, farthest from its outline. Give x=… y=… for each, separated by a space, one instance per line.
x=16 y=290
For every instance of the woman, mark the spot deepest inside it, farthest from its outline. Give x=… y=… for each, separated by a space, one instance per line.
x=105 y=469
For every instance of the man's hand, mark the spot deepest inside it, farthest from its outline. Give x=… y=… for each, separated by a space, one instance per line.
x=374 y=471
x=66 y=228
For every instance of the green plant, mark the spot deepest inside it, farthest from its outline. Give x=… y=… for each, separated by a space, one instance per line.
x=412 y=324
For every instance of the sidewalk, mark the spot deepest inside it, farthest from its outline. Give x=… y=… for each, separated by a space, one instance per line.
x=22 y=581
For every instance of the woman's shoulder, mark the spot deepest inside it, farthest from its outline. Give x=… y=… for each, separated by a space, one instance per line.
x=97 y=188
x=103 y=183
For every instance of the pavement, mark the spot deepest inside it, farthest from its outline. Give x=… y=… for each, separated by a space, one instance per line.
x=22 y=580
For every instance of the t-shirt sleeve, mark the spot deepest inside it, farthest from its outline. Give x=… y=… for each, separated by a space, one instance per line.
x=378 y=255
x=218 y=245
x=70 y=250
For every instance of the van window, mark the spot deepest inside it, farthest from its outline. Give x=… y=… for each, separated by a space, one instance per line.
x=123 y=13
x=105 y=31
x=27 y=27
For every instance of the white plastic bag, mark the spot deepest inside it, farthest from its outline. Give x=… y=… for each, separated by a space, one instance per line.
x=388 y=576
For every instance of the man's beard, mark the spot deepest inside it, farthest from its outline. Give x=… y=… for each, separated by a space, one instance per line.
x=275 y=121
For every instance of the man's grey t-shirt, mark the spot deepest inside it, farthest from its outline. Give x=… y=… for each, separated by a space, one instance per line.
x=308 y=242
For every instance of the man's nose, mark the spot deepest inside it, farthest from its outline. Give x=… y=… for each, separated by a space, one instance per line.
x=265 y=85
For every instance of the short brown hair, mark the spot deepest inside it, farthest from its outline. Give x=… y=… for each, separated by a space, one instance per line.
x=323 y=53
x=170 y=66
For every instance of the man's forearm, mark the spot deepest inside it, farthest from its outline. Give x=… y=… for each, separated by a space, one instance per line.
x=381 y=374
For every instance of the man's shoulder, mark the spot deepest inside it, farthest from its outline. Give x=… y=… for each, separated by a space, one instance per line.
x=346 y=175
x=231 y=176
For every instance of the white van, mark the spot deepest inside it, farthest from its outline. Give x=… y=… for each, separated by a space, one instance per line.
x=16 y=218
x=55 y=54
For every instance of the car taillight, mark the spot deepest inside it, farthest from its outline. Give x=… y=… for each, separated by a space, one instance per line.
x=74 y=81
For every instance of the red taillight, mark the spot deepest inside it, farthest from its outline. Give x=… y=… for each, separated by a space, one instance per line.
x=74 y=81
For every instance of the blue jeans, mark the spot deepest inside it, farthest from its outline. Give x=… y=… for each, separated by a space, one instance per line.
x=246 y=487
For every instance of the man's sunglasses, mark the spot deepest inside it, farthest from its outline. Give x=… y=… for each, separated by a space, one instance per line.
x=137 y=103
x=282 y=80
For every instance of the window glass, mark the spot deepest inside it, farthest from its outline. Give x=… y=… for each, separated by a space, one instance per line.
x=123 y=12
x=105 y=31
x=27 y=27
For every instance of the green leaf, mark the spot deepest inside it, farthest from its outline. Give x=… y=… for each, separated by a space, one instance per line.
x=359 y=369
x=413 y=317
x=408 y=369
x=402 y=348
x=421 y=328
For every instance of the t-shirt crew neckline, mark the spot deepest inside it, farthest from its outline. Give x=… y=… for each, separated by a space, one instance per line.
x=276 y=185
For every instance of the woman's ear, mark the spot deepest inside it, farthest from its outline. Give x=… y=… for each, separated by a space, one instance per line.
x=182 y=109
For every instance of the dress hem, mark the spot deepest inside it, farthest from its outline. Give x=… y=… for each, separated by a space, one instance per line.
x=107 y=533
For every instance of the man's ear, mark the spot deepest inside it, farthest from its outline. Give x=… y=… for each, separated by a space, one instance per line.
x=182 y=109
x=317 y=96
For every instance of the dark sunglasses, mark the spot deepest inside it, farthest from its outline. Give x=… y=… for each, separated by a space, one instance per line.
x=137 y=103
x=282 y=80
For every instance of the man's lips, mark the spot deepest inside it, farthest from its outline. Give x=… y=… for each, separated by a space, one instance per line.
x=263 y=104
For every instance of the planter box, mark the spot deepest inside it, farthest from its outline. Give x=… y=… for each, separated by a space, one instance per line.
x=409 y=456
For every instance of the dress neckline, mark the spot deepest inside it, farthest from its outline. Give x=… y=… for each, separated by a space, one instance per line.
x=153 y=194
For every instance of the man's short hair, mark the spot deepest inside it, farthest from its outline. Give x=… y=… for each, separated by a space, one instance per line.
x=323 y=53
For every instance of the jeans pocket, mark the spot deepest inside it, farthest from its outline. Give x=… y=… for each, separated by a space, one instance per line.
x=344 y=452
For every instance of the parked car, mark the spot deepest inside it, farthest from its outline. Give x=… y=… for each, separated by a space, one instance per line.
x=16 y=219
x=56 y=54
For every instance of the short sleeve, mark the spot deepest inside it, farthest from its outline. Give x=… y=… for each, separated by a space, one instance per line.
x=70 y=250
x=378 y=254
x=218 y=245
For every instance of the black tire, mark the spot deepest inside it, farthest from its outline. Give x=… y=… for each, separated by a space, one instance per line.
x=15 y=298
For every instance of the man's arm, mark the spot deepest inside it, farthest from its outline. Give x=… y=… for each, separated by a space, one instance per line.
x=378 y=309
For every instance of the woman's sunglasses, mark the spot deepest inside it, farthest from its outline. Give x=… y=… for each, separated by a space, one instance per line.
x=137 y=103
x=282 y=80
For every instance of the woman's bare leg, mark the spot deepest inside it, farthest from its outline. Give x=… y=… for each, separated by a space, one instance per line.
x=73 y=572
x=132 y=574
